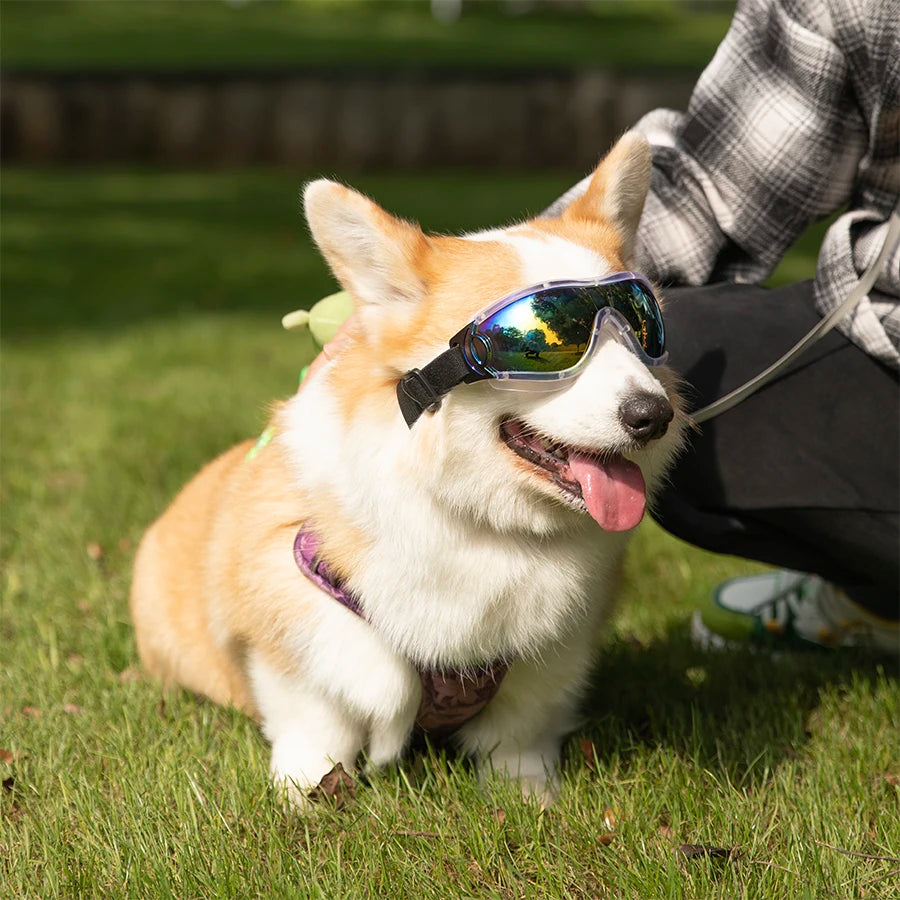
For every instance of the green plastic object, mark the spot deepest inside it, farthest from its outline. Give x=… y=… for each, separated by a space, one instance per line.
x=323 y=319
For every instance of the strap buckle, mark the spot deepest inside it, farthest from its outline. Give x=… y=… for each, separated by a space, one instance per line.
x=426 y=397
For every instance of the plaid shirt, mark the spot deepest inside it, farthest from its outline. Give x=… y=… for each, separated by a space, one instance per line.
x=796 y=117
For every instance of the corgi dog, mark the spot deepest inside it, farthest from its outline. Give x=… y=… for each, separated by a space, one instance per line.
x=367 y=569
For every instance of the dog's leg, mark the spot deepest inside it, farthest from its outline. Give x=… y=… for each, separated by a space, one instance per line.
x=519 y=732
x=389 y=736
x=309 y=731
x=352 y=687
x=351 y=662
x=534 y=767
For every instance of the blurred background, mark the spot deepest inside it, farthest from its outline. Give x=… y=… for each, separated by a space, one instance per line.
x=151 y=235
x=153 y=150
x=344 y=84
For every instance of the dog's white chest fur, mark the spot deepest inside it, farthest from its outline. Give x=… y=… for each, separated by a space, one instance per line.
x=458 y=598
x=447 y=587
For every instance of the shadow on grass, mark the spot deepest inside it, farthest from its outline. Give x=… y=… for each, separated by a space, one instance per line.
x=734 y=713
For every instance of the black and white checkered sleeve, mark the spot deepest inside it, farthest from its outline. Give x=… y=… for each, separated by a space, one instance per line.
x=797 y=116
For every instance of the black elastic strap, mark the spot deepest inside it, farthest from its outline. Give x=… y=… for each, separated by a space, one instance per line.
x=423 y=389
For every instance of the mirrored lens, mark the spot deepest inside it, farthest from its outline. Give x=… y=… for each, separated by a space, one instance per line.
x=641 y=311
x=549 y=331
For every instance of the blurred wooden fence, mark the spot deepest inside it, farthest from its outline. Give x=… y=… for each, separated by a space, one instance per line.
x=349 y=119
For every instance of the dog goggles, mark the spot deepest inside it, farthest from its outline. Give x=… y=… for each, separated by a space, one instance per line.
x=539 y=338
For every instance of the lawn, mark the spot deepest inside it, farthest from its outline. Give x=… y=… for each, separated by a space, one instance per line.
x=212 y=34
x=141 y=336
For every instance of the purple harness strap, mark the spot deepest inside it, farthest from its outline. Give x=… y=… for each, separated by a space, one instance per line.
x=449 y=697
x=306 y=548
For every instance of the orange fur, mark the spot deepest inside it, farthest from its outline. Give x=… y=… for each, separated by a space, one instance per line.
x=227 y=533
x=372 y=364
x=588 y=233
x=173 y=631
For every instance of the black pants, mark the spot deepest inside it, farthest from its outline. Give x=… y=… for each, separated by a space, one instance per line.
x=803 y=474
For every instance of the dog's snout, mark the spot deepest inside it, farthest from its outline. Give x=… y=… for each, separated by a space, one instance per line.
x=646 y=416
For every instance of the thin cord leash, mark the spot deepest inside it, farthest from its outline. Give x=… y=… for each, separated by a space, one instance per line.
x=862 y=287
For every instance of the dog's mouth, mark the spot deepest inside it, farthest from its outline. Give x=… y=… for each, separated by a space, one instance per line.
x=609 y=487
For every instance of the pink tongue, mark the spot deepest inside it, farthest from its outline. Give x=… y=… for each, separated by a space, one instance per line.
x=613 y=491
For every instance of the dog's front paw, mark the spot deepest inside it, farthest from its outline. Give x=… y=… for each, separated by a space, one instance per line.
x=336 y=785
x=534 y=771
x=541 y=789
x=301 y=771
x=293 y=793
x=296 y=789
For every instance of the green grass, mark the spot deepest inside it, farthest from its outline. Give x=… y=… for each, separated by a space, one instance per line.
x=211 y=34
x=140 y=337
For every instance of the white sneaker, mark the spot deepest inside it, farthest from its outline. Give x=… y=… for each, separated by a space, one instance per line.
x=789 y=609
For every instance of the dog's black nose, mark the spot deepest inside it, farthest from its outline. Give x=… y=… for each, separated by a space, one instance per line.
x=646 y=416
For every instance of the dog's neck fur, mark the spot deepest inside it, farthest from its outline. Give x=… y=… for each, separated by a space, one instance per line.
x=457 y=553
x=441 y=592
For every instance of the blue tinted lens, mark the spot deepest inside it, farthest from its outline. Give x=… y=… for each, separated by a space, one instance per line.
x=549 y=330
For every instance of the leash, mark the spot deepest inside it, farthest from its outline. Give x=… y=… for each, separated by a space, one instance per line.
x=860 y=289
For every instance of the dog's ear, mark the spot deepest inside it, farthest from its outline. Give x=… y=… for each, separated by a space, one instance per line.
x=373 y=255
x=618 y=188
